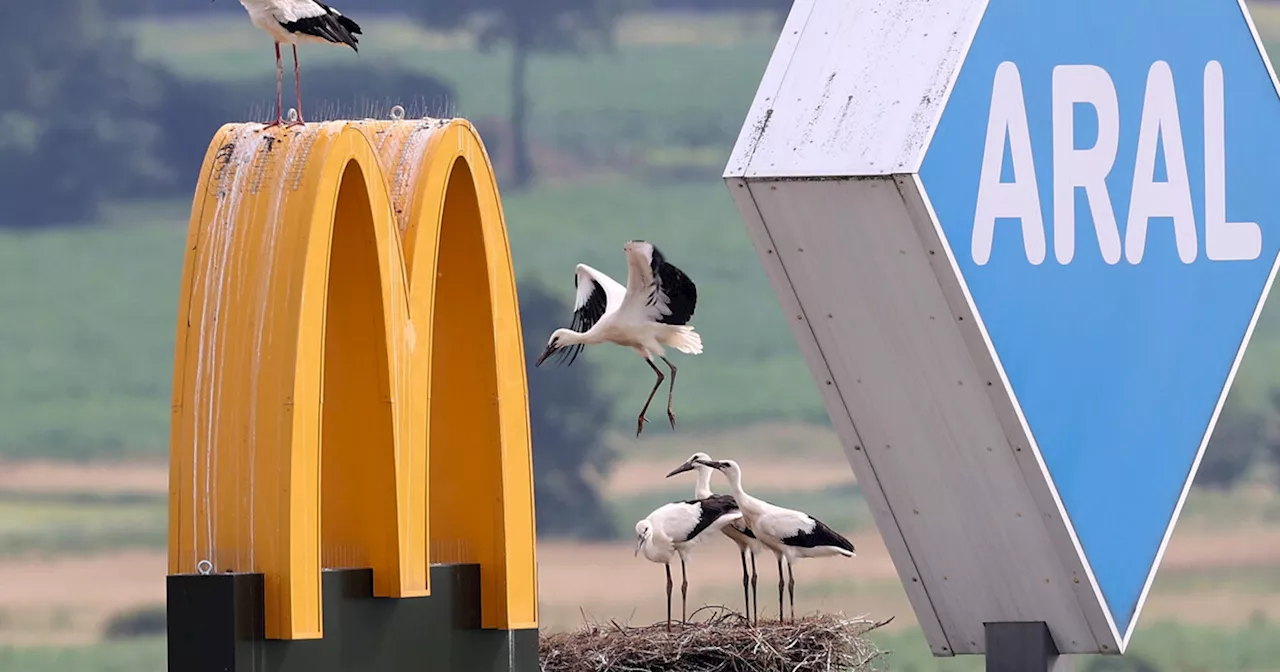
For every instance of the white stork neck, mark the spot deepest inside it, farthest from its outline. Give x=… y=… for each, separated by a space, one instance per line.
x=747 y=503
x=702 y=489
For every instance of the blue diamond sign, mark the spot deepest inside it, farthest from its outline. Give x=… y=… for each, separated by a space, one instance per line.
x=1081 y=192
x=1109 y=226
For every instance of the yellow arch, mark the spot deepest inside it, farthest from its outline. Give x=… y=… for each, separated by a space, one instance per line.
x=310 y=363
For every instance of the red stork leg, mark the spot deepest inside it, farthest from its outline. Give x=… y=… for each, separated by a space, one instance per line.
x=297 y=84
x=279 y=90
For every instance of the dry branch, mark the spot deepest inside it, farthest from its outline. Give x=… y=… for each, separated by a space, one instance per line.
x=723 y=642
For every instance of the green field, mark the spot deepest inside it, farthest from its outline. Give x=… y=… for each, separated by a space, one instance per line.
x=88 y=366
x=1169 y=647
x=87 y=349
x=1166 y=646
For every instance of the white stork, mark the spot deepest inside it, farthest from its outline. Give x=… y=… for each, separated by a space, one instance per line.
x=790 y=534
x=738 y=531
x=294 y=21
x=653 y=310
x=675 y=528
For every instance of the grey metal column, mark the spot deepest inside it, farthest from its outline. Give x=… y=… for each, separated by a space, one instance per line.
x=1023 y=647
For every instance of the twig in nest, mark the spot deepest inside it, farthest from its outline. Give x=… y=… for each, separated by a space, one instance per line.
x=723 y=642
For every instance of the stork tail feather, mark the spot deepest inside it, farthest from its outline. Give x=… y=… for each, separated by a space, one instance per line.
x=685 y=339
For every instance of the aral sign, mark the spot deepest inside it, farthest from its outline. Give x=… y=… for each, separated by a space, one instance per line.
x=1159 y=137
x=1041 y=237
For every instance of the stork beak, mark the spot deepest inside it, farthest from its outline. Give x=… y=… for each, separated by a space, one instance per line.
x=639 y=543
x=545 y=353
x=712 y=464
x=687 y=466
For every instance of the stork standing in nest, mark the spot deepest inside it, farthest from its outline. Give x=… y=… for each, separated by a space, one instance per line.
x=789 y=533
x=672 y=530
x=738 y=531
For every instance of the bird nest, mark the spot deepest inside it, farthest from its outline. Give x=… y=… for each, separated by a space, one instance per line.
x=722 y=642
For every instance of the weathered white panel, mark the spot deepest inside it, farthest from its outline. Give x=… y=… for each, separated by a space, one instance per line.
x=1025 y=451
x=854 y=87
x=840 y=419
x=917 y=414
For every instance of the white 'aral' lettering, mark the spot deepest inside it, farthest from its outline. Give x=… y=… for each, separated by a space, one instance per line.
x=1160 y=199
x=1086 y=168
x=1223 y=240
x=1017 y=199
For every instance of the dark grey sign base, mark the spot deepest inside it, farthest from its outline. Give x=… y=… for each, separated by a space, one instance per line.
x=215 y=622
x=1023 y=647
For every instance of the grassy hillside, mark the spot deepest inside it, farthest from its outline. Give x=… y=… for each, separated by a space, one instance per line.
x=87 y=352
x=88 y=349
x=86 y=333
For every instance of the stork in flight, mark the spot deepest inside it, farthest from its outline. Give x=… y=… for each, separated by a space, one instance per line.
x=652 y=311
x=738 y=531
x=294 y=21
x=790 y=534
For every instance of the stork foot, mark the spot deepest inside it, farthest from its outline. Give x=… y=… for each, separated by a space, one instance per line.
x=640 y=424
x=672 y=417
x=272 y=124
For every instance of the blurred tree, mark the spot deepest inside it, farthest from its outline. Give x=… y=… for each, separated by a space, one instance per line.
x=76 y=114
x=1272 y=447
x=568 y=414
x=1232 y=448
x=146 y=621
x=528 y=26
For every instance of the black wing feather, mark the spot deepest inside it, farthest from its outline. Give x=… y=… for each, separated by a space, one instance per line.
x=820 y=535
x=681 y=292
x=583 y=319
x=713 y=508
x=331 y=26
